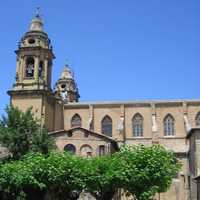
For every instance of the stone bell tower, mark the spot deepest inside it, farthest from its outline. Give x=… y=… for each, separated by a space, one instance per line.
x=66 y=86
x=34 y=58
x=32 y=87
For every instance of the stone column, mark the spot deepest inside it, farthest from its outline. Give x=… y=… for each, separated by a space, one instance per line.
x=22 y=68
x=46 y=71
x=36 y=68
x=22 y=65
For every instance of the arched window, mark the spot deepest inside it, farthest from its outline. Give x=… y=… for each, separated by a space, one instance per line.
x=70 y=148
x=137 y=125
x=29 y=69
x=76 y=121
x=169 y=125
x=106 y=126
x=86 y=151
x=40 y=70
x=197 y=119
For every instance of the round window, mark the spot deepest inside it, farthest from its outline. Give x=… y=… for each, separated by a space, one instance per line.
x=63 y=86
x=70 y=148
x=31 y=41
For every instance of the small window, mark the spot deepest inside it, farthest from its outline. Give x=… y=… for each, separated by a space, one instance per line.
x=76 y=121
x=70 y=148
x=137 y=124
x=106 y=126
x=197 y=120
x=102 y=150
x=63 y=86
x=31 y=41
x=169 y=125
x=29 y=69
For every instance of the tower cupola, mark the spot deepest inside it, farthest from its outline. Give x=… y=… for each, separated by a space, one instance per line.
x=36 y=23
x=66 y=86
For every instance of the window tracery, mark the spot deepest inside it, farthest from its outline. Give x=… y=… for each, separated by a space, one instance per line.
x=76 y=121
x=169 y=125
x=106 y=126
x=137 y=124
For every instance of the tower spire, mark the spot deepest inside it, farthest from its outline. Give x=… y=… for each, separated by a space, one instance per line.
x=37 y=23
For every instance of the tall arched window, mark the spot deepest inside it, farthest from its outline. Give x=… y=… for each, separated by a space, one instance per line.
x=106 y=126
x=76 y=121
x=29 y=69
x=137 y=124
x=70 y=148
x=197 y=119
x=169 y=125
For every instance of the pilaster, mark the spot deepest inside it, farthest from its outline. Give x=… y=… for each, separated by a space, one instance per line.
x=154 y=126
x=36 y=69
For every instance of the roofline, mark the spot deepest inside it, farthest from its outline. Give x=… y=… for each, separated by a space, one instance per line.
x=133 y=102
x=92 y=132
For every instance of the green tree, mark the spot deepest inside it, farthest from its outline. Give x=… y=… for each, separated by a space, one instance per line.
x=102 y=175
x=142 y=171
x=59 y=175
x=146 y=170
x=20 y=132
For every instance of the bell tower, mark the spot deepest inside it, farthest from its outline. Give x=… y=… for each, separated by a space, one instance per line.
x=34 y=58
x=32 y=87
x=66 y=87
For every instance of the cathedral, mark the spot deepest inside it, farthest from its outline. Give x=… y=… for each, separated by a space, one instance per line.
x=97 y=128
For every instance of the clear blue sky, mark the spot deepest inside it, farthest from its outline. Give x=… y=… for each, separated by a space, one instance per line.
x=119 y=49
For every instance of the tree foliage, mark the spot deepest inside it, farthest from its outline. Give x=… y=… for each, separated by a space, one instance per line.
x=60 y=175
x=147 y=170
x=102 y=177
x=20 y=132
x=142 y=171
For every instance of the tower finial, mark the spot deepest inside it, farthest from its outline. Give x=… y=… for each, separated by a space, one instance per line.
x=36 y=23
x=38 y=12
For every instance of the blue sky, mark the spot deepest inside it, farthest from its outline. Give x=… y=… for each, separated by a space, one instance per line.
x=118 y=49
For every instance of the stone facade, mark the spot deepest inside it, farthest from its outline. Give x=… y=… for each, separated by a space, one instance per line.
x=96 y=128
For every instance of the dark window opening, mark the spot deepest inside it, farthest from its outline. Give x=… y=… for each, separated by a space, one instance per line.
x=29 y=70
x=102 y=150
x=70 y=148
x=31 y=41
